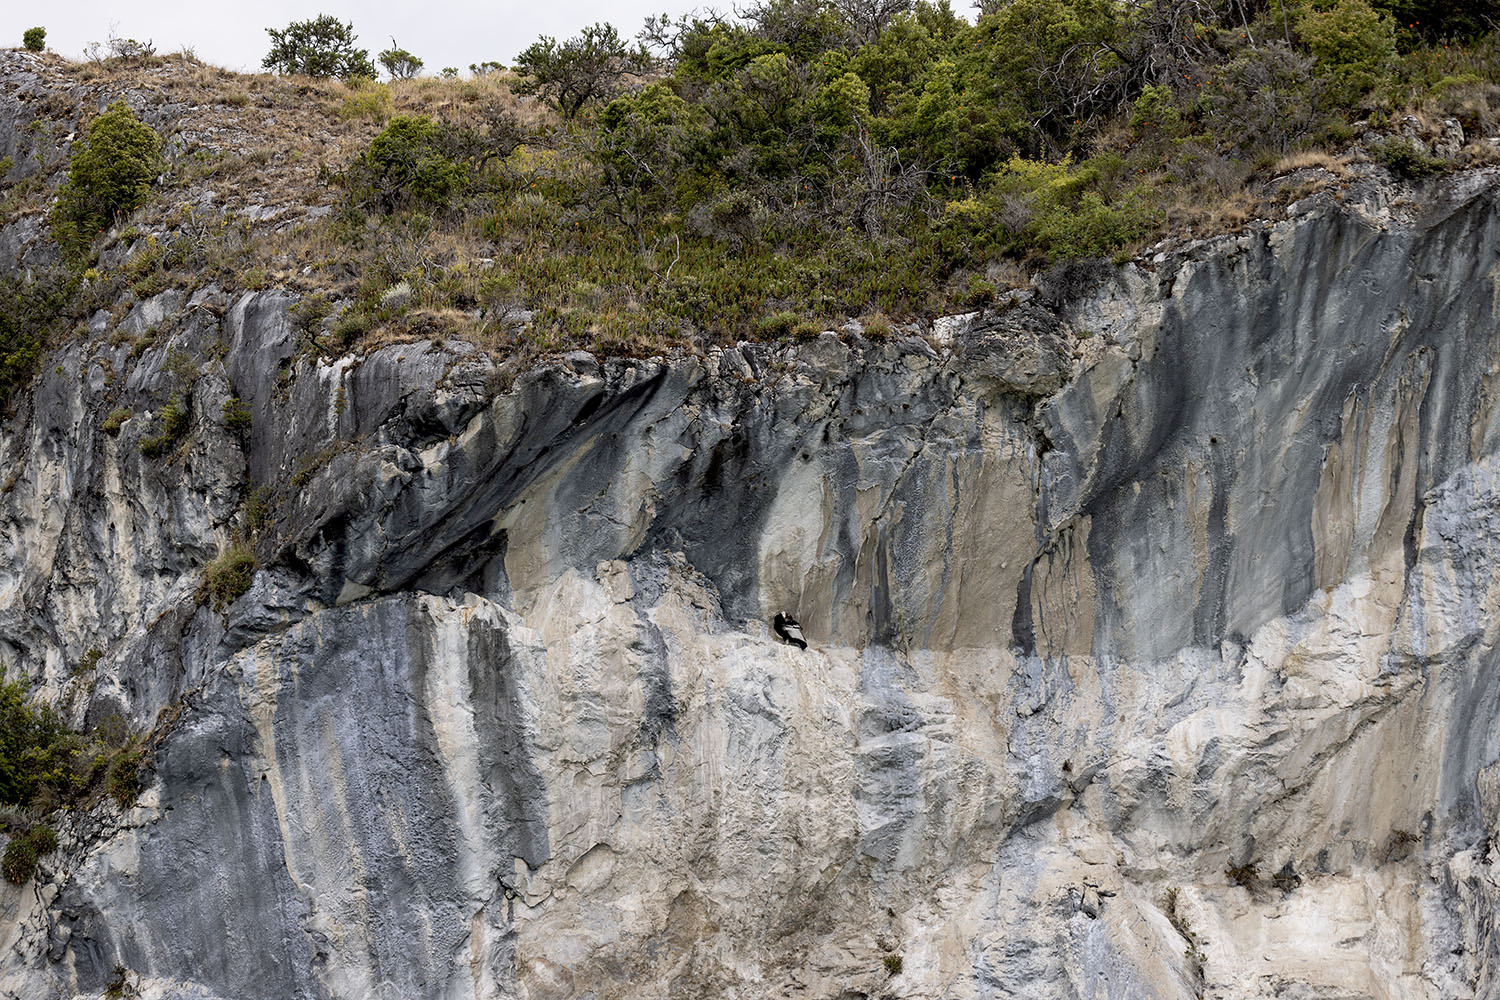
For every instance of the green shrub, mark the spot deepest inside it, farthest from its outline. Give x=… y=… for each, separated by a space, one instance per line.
x=1353 y=44
x=373 y=103
x=29 y=306
x=228 y=577
x=1401 y=157
x=588 y=69
x=115 y=421
x=1153 y=113
x=892 y=965
x=978 y=293
x=43 y=838
x=413 y=161
x=35 y=39
x=20 y=859
x=258 y=508
x=122 y=780
x=171 y=426
x=36 y=749
x=237 y=415
x=110 y=175
x=1262 y=99
x=777 y=325
x=44 y=765
x=310 y=310
x=1091 y=228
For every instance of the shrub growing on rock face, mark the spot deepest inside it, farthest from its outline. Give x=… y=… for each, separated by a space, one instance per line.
x=321 y=47
x=110 y=176
x=35 y=748
x=229 y=576
x=28 y=306
x=35 y=39
x=20 y=859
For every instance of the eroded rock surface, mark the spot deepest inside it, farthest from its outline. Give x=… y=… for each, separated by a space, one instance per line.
x=1153 y=626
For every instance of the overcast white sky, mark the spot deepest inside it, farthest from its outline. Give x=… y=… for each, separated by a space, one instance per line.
x=233 y=34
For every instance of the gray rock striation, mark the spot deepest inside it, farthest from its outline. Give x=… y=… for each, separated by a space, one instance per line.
x=1154 y=625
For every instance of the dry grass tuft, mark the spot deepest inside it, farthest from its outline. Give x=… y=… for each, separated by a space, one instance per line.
x=1309 y=159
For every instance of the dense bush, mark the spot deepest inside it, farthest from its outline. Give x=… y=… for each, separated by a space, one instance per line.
x=44 y=764
x=36 y=749
x=23 y=852
x=1400 y=156
x=110 y=174
x=1352 y=46
x=322 y=47
x=415 y=159
x=35 y=39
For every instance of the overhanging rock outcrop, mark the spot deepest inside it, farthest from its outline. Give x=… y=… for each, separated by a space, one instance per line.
x=1153 y=624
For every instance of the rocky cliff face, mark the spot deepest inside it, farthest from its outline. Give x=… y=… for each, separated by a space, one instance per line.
x=1153 y=625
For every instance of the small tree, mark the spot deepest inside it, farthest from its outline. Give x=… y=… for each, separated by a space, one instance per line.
x=35 y=39
x=584 y=70
x=321 y=48
x=398 y=62
x=109 y=176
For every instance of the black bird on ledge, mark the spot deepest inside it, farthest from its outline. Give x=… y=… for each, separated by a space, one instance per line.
x=786 y=626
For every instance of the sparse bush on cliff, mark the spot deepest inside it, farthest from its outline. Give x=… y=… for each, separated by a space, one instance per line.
x=229 y=576
x=1403 y=158
x=115 y=420
x=236 y=413
x=35 y=39
x=321 y=47
x=110 y=175
x=171 y=425
x=122 y=774
x=30 y=306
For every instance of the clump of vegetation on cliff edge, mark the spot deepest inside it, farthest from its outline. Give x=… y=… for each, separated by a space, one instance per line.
x=818 y=160
x=45 y=765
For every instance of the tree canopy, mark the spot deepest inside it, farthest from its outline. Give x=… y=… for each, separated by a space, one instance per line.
x=321 y=47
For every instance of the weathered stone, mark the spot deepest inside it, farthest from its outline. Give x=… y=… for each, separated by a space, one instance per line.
x=1092 y=622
